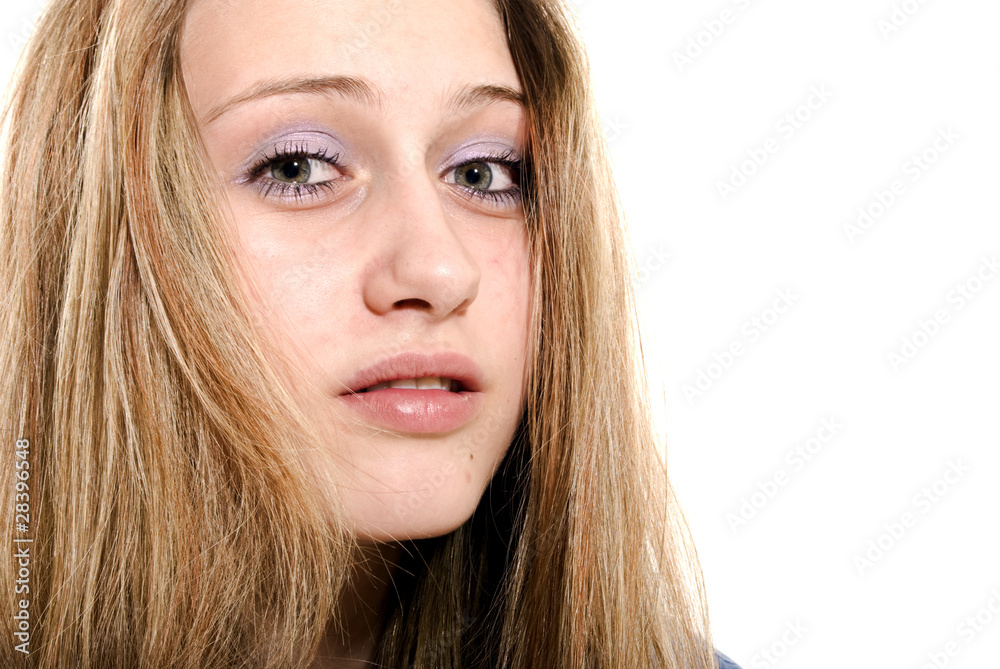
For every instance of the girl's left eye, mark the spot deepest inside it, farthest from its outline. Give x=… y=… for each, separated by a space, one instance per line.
x=496 y=179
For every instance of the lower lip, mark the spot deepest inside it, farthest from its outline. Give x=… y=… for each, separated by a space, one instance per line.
x=411 y=410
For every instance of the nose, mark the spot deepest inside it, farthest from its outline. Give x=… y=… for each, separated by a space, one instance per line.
x=419 y=261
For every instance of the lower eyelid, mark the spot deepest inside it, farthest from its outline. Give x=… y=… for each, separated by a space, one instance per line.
x=279 y=191
x=508 y=198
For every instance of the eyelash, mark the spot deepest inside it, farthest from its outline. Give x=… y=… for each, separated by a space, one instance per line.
x=267 y=186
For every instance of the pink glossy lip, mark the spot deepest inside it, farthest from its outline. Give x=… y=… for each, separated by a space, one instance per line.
x=413 y=410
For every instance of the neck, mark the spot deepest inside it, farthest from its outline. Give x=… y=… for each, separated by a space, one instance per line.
x=350 y=639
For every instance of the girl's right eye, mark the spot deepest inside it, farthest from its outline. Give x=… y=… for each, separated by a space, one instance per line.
x=302 y=170
x=296 y=174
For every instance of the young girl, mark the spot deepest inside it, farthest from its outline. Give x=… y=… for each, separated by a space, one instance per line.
x=319 y=348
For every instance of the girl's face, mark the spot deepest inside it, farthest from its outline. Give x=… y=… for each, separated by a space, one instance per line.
x=369 y=157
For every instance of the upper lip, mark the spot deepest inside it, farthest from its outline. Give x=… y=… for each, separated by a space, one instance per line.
x=413 y=365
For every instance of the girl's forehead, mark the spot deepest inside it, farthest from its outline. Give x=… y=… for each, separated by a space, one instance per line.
x=410 y=50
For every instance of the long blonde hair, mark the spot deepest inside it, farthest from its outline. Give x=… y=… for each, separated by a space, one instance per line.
x=173 y=524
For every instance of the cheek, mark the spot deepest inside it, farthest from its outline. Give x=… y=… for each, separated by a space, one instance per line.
x=300 y=296
x=296 y=281
x=508 y=287
x=504 y=322
x=511 y=298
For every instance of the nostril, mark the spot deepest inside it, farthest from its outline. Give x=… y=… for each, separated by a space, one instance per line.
x=414 y=303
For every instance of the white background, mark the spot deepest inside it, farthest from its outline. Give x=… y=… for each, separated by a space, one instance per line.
x=788 y=580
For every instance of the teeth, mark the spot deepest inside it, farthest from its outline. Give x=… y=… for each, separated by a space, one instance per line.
x=432 y=382
x=424 y=383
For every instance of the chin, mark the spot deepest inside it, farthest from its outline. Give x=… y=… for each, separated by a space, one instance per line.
x=421 y=515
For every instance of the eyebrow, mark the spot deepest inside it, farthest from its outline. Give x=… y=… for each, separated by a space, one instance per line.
x=360 y=90
x=485 y=94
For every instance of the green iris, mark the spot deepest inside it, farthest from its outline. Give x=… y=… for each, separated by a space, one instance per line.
x=478 y=176
x=293 y=171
